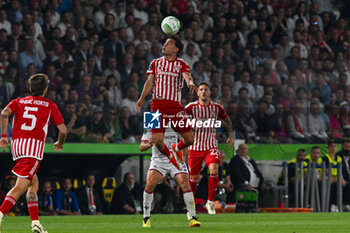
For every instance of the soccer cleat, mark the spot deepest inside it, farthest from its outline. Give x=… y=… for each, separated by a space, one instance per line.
x=37 y=227
x=210 y=207
x=194 y=222
x=146 y=222
x=173 y=160
x=178 y=153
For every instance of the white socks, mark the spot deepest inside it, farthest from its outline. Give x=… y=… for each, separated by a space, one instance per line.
x=189 y=201
x=147 y=204
x=1 y=215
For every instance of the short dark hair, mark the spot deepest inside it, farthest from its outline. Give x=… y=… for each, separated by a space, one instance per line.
x=301 y=150
x=242 y=89
x=203 y=83
x=38 y=83
x=315 y=148
x=213 y=86
x=331 y=141
x=178 y=42
x=346 y=141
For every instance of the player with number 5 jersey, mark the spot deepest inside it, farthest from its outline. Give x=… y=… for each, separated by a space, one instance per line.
x=205 y=146
x=31 y=116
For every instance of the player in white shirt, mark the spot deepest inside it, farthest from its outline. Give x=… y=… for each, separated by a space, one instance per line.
x=159 y=167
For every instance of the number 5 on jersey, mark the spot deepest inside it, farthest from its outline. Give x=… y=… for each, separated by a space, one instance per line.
x=27 y=115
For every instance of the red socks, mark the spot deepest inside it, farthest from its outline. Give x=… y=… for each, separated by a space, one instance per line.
x=212 y=186
x=33 y=210
x=193 y=184
x=181 y=145
x=7 y=205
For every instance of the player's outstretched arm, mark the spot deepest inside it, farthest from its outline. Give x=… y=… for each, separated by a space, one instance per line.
x=147 y=87
x=189 y=82
x=61 y=137
x=230 y=140
x=5 y=114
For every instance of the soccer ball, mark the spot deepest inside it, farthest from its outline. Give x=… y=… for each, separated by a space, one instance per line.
x=170 y=25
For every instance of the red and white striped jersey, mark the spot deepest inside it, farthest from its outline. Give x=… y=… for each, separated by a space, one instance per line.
x=168 y=79
x=30 y=123
x=205 y=138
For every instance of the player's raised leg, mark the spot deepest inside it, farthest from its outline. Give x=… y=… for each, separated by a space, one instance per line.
x=187 y=140
x=153 y=177
x=158 y=139
x=182 y=180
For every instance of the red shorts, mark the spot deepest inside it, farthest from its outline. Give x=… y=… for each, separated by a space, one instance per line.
x=171 y=110
x=26 y=168
x=195 y=159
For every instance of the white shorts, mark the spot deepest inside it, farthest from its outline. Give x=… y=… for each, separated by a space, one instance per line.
x=164 y=167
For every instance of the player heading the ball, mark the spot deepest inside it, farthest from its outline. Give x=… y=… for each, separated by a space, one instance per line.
x=165 y=79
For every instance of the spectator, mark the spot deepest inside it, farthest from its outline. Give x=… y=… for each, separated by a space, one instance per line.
x=114 y=126
x=153 y=24
x=325 y=95
x=128 y=196
x=89 y=197
x=293 y=59
x=129 y=125
x=296 y=124
x=45 y=200
x=28 y=56
x=335 y=131
x=108 y=27
x=279 y=124
x=264 y=124
x=125 y=69
x=131 y=99
x=97 y=129
x=225 y=98
x=76 y=126
x=86 y=88
x=244 y=172
x=82 y=54
x=246 y=126
x=4 y=23
x=316 y=125
x=99 y=16
x=189 y=55
x=65 y=201
x=244 y=82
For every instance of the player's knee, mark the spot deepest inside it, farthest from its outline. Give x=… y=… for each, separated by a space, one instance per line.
x=195 y=178
x=185 y=186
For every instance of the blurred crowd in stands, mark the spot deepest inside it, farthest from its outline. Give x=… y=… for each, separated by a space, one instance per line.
x=280 y=68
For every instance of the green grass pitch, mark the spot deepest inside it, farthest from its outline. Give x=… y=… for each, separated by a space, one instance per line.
x=245 y=223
